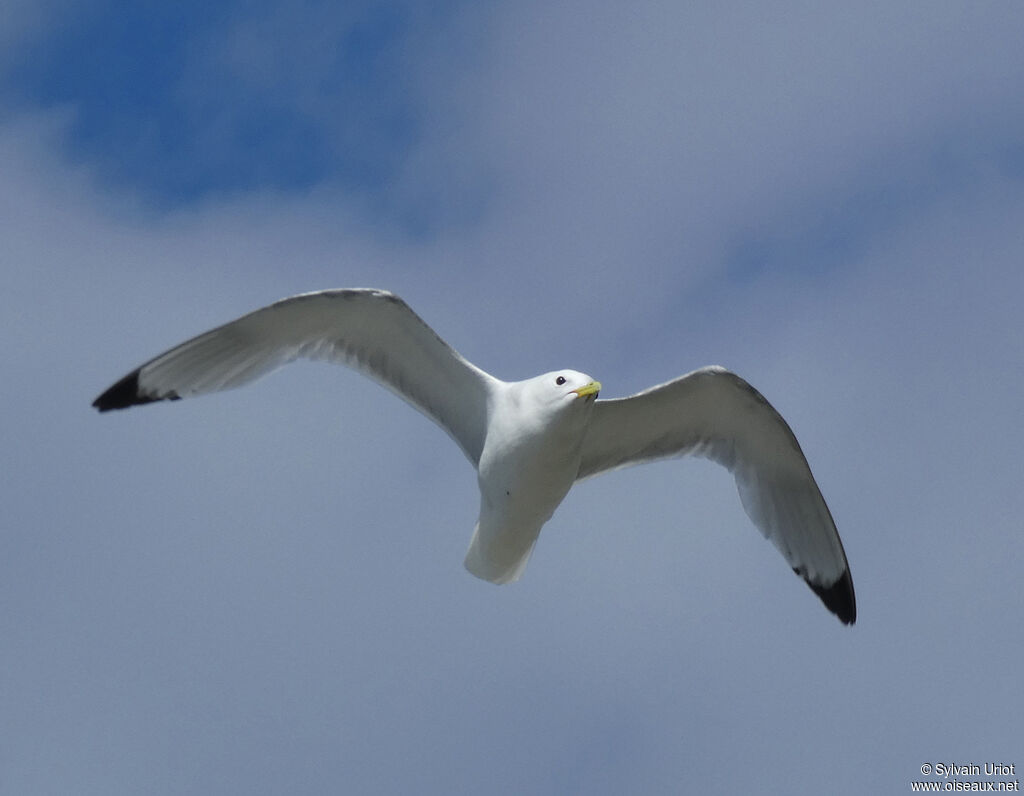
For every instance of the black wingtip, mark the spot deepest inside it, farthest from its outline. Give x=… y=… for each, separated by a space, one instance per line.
x=126 y=393
x=838 y=597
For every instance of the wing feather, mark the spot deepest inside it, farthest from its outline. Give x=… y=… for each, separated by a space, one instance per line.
x=373 y=331
x=715 y=414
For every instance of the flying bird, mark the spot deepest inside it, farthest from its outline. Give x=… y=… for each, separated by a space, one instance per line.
x=531 y=440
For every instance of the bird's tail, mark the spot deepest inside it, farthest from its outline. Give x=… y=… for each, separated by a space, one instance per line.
x=501 y=556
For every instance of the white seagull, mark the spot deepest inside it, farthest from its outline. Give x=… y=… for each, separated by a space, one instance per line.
x=531 y=440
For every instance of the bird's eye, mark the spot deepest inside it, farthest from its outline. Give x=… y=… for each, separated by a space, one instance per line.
x=560 y=381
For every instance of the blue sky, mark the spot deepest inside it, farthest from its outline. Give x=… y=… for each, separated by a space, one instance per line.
x=183 y=101
x=262 y=591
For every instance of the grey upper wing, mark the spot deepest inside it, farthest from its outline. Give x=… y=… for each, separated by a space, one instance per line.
x=372 y=331
x=716 y=414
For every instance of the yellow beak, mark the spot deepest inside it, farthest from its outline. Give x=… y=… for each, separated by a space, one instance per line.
x=588 y=389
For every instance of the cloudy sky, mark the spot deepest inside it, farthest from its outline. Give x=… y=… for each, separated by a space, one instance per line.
x=262 y=591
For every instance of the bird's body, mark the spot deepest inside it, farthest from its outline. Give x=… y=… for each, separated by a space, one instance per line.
x=529 y=462
x=531 y=440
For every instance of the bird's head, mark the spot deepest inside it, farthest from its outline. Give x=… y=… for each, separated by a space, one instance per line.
x=562 y=389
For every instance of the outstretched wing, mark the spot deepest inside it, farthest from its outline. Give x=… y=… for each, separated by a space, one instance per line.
x=372 y=331
x=716 y=414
